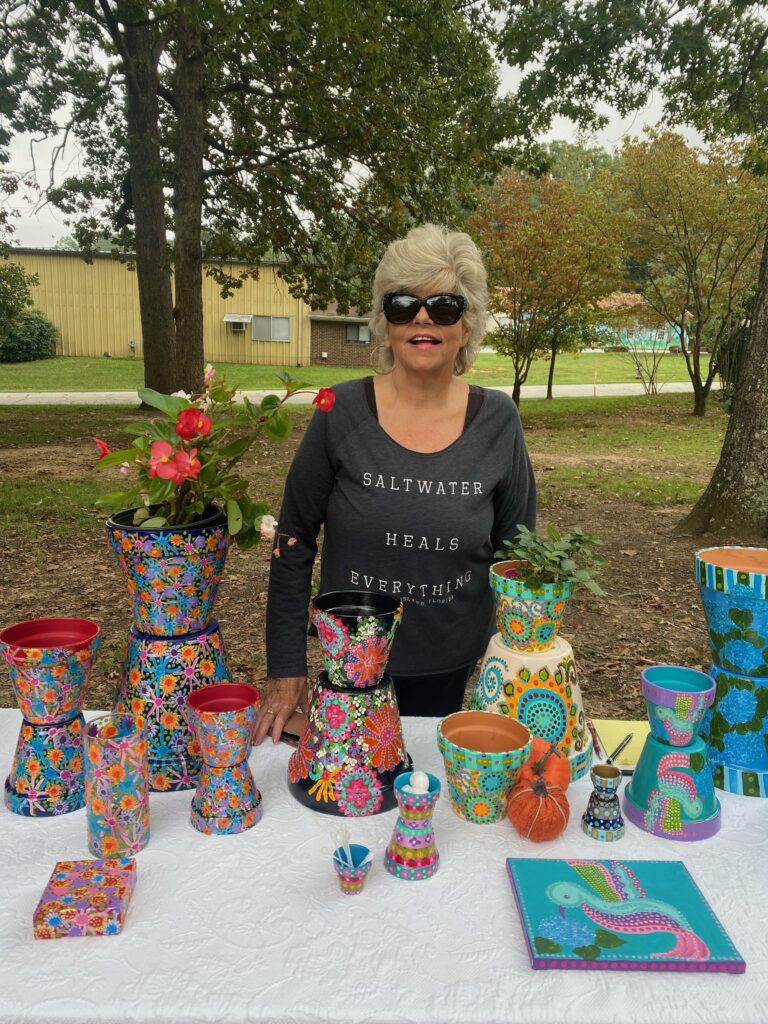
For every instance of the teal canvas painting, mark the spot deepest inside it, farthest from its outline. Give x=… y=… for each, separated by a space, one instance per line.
x=634 y=915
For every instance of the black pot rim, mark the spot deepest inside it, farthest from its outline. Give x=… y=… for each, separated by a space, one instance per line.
x=212 y=516
x=385 y=604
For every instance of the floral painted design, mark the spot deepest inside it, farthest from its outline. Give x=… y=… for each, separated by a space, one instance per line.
x=334 y=714
x=85 y=897
x=356 y=647
x=47 y=776
x=383 y=737
x=358 y=792
x=332 y=632
x=227 y=801
x=116 y=786
x=366 y=661
x=50 y=683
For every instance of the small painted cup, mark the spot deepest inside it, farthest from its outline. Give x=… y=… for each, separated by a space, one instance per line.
x=116 y=786
x=352 y=868
x=676 y=698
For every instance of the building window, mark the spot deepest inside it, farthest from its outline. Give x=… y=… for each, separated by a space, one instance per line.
x=271 y=328
x=358 y=334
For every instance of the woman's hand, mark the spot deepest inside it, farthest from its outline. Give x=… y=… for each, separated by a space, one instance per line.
x=281 y=698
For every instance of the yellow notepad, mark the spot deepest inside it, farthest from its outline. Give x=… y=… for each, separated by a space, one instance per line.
x=611 y=731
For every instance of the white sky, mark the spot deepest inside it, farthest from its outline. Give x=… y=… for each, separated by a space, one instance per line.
x=44 y=227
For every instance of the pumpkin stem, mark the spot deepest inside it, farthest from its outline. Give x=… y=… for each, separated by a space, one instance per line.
x=539 y=787
x=538 y=766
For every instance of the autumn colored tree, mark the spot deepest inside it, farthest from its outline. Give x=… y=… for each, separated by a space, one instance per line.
x=692 y=223
x=550 y=256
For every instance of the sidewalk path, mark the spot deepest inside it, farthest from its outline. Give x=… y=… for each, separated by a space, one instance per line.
x=132 y=398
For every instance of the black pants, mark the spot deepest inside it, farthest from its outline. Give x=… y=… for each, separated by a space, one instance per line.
x=433 y=695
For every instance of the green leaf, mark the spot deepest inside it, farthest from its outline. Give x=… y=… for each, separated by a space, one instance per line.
x=116 y=458
x=543 y=945
x=279 y=426
x=591 y=952
x=236 y=449
x=154 y=521
x=270 y=402
x=121 y=499
x=608 y=940
x=234 y=517
x=171 y=405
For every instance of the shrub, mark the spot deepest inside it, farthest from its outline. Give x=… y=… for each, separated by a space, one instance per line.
x=31 y=336
x=615 y=348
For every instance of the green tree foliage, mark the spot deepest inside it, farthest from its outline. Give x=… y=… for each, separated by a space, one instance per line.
x=14 y=293
x=30 y=336
x=308 y=131
x=550 y=255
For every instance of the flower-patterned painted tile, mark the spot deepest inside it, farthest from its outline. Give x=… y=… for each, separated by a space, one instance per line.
x=47 y=776
x=85 y=897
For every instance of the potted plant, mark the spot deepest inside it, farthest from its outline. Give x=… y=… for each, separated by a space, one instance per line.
x=188 y=501
x=537 y=575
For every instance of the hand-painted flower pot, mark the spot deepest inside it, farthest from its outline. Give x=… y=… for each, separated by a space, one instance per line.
x=528 y=619
x=482 y=753
x=671 y=794
x=733 y=586
x=351 y=751
x=356 y=630
x=158 y=675
x=352 y=864
x=223 y=719
x=676 y=698
x=49 y=662
x=412 y=853
x=602 y=819
x=541 y=690
x=116 y=786
x=173 y=572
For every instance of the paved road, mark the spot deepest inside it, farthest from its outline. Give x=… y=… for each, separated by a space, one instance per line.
x=131 y=397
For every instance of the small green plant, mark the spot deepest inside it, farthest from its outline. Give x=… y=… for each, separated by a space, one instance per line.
x=31 y=336
x=554 y=558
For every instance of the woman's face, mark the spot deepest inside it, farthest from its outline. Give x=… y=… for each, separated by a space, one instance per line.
x=424 y=346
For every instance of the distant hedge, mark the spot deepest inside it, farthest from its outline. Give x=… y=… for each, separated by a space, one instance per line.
x=31 y=336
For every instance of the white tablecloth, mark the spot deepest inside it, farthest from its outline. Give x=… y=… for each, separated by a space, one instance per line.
x=254 y=927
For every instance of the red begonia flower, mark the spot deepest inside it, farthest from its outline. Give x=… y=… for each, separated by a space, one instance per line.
x=325 y=399
x=161 y=460
x=192 y=422
x=103 y=447
x=187 y=465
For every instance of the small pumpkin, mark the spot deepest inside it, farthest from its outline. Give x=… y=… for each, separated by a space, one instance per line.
x=538 y=806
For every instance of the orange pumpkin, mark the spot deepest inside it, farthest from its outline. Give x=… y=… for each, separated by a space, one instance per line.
x=538 y=806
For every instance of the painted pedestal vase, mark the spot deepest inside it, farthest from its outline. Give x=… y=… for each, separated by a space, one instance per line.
x=175 y=646
x=352 y=748
x=49 y=662
x=671 y=794
x=602 y=819
x=482 y=754
x=412 y=852
x=223 y=718
x=541 y=690
x=733 y=586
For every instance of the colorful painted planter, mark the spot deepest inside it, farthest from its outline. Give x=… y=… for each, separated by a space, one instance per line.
x=356 y=630
x=173 y=572
x=602 y=819
x=541 y=690
x=412 y=853
x=671 y=793
x=528 y=620
x=351 y=751
x=158 y=675
x=733 y=585
x=116 y=786
x=223 y=719
x=482 y=753
x=676 y=698
x=352 y=864
x=49 y=661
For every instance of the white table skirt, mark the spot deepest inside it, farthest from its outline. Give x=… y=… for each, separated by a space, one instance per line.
x=254 y=928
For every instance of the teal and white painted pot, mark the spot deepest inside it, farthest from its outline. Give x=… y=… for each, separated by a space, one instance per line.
x=528 y=619
x=482 y=753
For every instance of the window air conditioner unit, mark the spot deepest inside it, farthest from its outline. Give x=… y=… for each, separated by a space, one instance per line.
x=238 y=326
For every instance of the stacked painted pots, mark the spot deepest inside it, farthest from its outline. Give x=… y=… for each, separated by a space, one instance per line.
x=671 y=793
x=412 y=852
x=352 y=749
x=733 y=585
x=49 y=662
x=175 y=646
x=529 y=672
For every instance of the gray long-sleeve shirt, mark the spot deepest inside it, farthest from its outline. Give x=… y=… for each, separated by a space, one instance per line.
x=423 y=527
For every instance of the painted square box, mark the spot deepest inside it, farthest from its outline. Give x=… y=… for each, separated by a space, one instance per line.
x=85 y=897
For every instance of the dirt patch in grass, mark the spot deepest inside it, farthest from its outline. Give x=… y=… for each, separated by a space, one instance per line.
x=651 y=612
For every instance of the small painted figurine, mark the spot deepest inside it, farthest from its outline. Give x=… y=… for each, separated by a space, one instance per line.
x=602 y=819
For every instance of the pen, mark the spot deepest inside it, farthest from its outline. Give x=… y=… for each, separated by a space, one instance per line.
x=618 y=750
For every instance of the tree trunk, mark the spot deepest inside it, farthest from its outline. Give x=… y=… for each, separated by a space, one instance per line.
x=188 y=199
x=736 y=500
x=700 y=400
x=516 y=391
x=552 y=357
x=158 y=328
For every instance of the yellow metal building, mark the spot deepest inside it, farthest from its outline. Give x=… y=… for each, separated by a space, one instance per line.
x=95 y=306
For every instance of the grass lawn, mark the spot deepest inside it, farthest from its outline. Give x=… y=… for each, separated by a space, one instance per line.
x=66 y=373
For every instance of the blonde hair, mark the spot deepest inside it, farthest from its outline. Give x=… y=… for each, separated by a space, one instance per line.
x=432 y=257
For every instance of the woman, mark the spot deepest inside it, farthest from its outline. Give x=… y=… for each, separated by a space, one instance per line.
x=415 y=476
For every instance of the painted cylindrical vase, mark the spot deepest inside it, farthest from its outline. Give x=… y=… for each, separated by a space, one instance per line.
x=412 y=852
x=116 y=786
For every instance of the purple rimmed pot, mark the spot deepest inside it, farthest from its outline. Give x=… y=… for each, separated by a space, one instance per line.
x=676 y=698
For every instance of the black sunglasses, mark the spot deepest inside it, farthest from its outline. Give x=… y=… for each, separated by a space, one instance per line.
x=444 y=309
